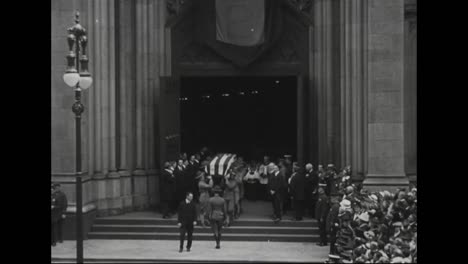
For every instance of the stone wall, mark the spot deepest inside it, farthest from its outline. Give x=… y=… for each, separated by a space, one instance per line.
x=126 y=50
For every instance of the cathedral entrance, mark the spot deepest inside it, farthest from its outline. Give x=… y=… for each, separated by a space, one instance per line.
x=247 y=115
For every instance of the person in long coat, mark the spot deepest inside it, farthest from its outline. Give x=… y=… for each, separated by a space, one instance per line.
x=310 y=189
x=297 y=190
x=187 y=219
x=333 y=222
x=321 y=211
x=275 y=186
x=181 y=181
x=59 y=207
x=168 y=190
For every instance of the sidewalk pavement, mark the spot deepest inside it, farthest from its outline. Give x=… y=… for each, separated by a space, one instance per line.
x=168 y=250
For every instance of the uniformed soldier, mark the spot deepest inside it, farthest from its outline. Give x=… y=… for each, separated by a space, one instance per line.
x=59 y=207
x=217 y=214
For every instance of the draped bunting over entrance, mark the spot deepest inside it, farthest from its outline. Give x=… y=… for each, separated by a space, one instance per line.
x=240 y=22
x=240 y=31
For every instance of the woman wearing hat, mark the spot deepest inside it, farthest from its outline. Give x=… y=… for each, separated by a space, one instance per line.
x=204 y=185
x=217 y=214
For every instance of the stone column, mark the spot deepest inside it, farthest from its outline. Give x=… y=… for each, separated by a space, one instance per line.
x=325 y=93
x=140 y=179
x=318 y=80
x=386 y=142
x=156 y=26
x=353 y=84
x=102 y=97
x=126 y=89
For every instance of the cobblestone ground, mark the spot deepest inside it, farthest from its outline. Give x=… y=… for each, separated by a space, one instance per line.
x=201 y=250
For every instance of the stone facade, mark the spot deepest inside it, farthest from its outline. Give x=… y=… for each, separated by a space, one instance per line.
x=361 y=83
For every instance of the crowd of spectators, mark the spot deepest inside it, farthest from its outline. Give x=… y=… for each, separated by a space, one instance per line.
x=372 y=227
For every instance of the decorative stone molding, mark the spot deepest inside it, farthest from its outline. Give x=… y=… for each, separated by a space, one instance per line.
x=302 y=5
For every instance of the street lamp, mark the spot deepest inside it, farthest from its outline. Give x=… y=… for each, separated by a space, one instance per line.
x=79 y=80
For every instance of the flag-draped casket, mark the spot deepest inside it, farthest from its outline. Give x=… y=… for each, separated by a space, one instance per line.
x=219 y=167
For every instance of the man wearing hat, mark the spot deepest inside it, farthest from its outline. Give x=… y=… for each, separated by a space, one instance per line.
x=297 y=189
x=330 y=178
x=275 y=185
x=168 y=189
x=321 y=211
x=310 y=188
x=333 y=222
x=59 y=207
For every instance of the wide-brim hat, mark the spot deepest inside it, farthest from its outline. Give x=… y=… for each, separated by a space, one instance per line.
x=364 y=217
x=346 y=204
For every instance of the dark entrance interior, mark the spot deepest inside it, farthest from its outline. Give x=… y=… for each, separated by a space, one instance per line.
x=248 y=116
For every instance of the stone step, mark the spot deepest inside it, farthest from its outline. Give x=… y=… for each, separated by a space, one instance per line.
x=228 y=230
x=206 y=236
x=173 y=221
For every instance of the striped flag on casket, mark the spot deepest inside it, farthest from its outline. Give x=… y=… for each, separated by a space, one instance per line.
x=220 y=165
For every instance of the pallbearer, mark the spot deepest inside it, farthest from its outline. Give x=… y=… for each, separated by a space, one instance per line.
x=205 y=184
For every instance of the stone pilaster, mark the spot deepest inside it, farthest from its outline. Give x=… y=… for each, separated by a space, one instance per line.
x=126 y=89
x=103 y=108
x=386 y=142
x=325 y=92
x=410 y=87
x=140 y=193
x=353 y=84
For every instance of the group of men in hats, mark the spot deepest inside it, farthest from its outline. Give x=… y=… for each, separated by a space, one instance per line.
x=59 y=206
x=178 y=178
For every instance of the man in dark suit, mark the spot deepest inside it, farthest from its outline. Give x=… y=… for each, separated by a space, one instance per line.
x=298 y=192
x=187 y=219
x=193 y=167
x=168 y=190
x=285 y=195
x=179 y=173
x=321 y=211
x=310 y=188
x=275 y=186
x=59 y=207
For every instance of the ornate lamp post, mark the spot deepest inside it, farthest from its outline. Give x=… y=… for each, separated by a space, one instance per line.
x=79 y=80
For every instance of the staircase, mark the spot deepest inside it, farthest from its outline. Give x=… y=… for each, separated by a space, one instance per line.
x=243 y=229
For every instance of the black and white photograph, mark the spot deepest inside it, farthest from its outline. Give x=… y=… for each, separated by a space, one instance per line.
x=220 y=131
